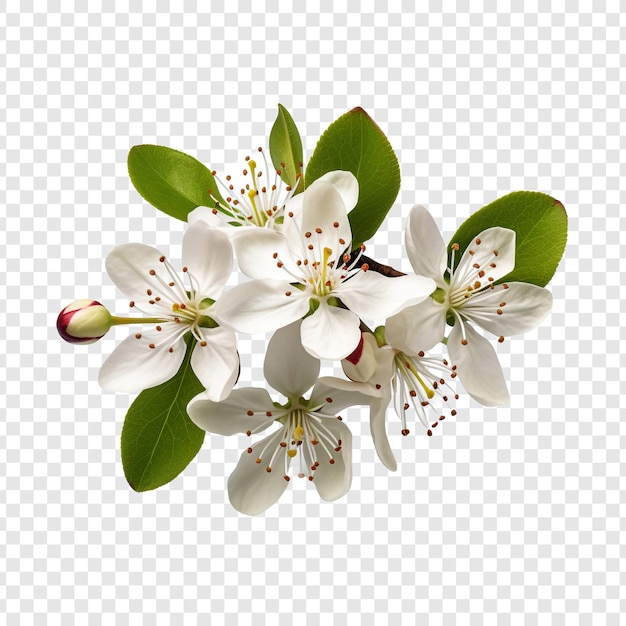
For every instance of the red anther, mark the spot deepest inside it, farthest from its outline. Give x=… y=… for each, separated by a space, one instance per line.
x=413 y=393
x=455 y=246
x=248 y=432
x=331 y=461
x=476 y=265
x=131 y=304
x=429 y=433
x=258 y=461
x=420 y=353
x=405 y=431
x=287 y=293
x=318 y=231
x=406 y=406
x=162 y=259
x=310 y=477
x=286 y=478
x=453 y=412
x=283 y=444
x=314 y=442
x=481 y=273
x=340 y=418
x=203 y=344
x=268 y=469
x=336 y=224
x=275 y=255
x=290 y=214
x=425 y=403
x=464 y=342
x=505 y=286
x=307 y=234
x=279 y=264
x=250 y=413
x=338 y=448
x=377 y=386
x=310 y=246
x=152 y=272
x=329 y=399
x=171 y=350
x=268 y=413
x=500 y=339
x=495 y=252
x=442 y=417
x=365 y=267
x=499 y=311
x=138 y=336
x=471 y=252
x=343 y=243
x=159 y=328
x=152 y=346
x=478 y=242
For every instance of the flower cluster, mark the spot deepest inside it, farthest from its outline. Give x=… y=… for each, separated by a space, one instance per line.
x=312 y=285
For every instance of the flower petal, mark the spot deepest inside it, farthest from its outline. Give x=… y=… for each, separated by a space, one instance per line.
x=478 y=366
x=330 y=333
x=134 y=366
x=216 y=364
x=288 y=367
x=255 y=249
x=260 y=306
x=417 y=328
x=231 y=416
x=337 y=394
x=425 y=246
x=492 y=252
x=206 y=215
x=374 y=296
x=332 y=480
x=251 y=488
x=522 y=307
x=208 y=255
x=346 y=184
x=322 y=208
x=129 y=267
x=378 y=428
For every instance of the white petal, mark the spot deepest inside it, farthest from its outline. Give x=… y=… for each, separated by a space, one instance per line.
x=424 y=245
x=478 y=366
x=523 y=307
x=231 y=415
x=216 y=364
x=330 y=333
x=337 y=394
x=206 y=215
x=251 y=488
x=496 y=247
x=346 y=184
x=134 y=366
x=323 y=207
x=332 y=480
x=260 y=306
x=208 y=255
x=288 y=367
x=417 y=328
x=129 y=267
x=374 y=296
x=255 y=249
x=378 y=422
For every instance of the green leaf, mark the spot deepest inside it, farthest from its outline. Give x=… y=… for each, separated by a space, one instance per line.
x=356 y=144
x=171 y=181
x=286 y=147
x=540 y=224
x=158 y=438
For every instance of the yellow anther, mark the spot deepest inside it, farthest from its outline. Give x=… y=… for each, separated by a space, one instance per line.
x=291 y=453
x=252 y=164
x=298 y=433
x=252 y=194
x=175 y=307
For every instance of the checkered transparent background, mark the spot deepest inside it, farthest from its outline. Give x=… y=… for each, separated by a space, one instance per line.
x=509 y=515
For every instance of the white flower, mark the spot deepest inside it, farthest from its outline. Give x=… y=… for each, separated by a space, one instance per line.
x=148 y=358
x=310 y=434
x=469 y=295
x=309 y=267
x=412 y=381
x=255 y=203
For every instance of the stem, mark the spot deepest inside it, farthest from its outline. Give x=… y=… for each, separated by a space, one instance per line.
x=116 y=321
x=375 y=266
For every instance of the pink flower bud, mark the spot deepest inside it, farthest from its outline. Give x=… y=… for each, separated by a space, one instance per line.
x=361 y=364
x=84 y=321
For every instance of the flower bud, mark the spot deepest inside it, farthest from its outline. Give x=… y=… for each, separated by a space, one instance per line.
x=84 y=321
x=361 y=364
